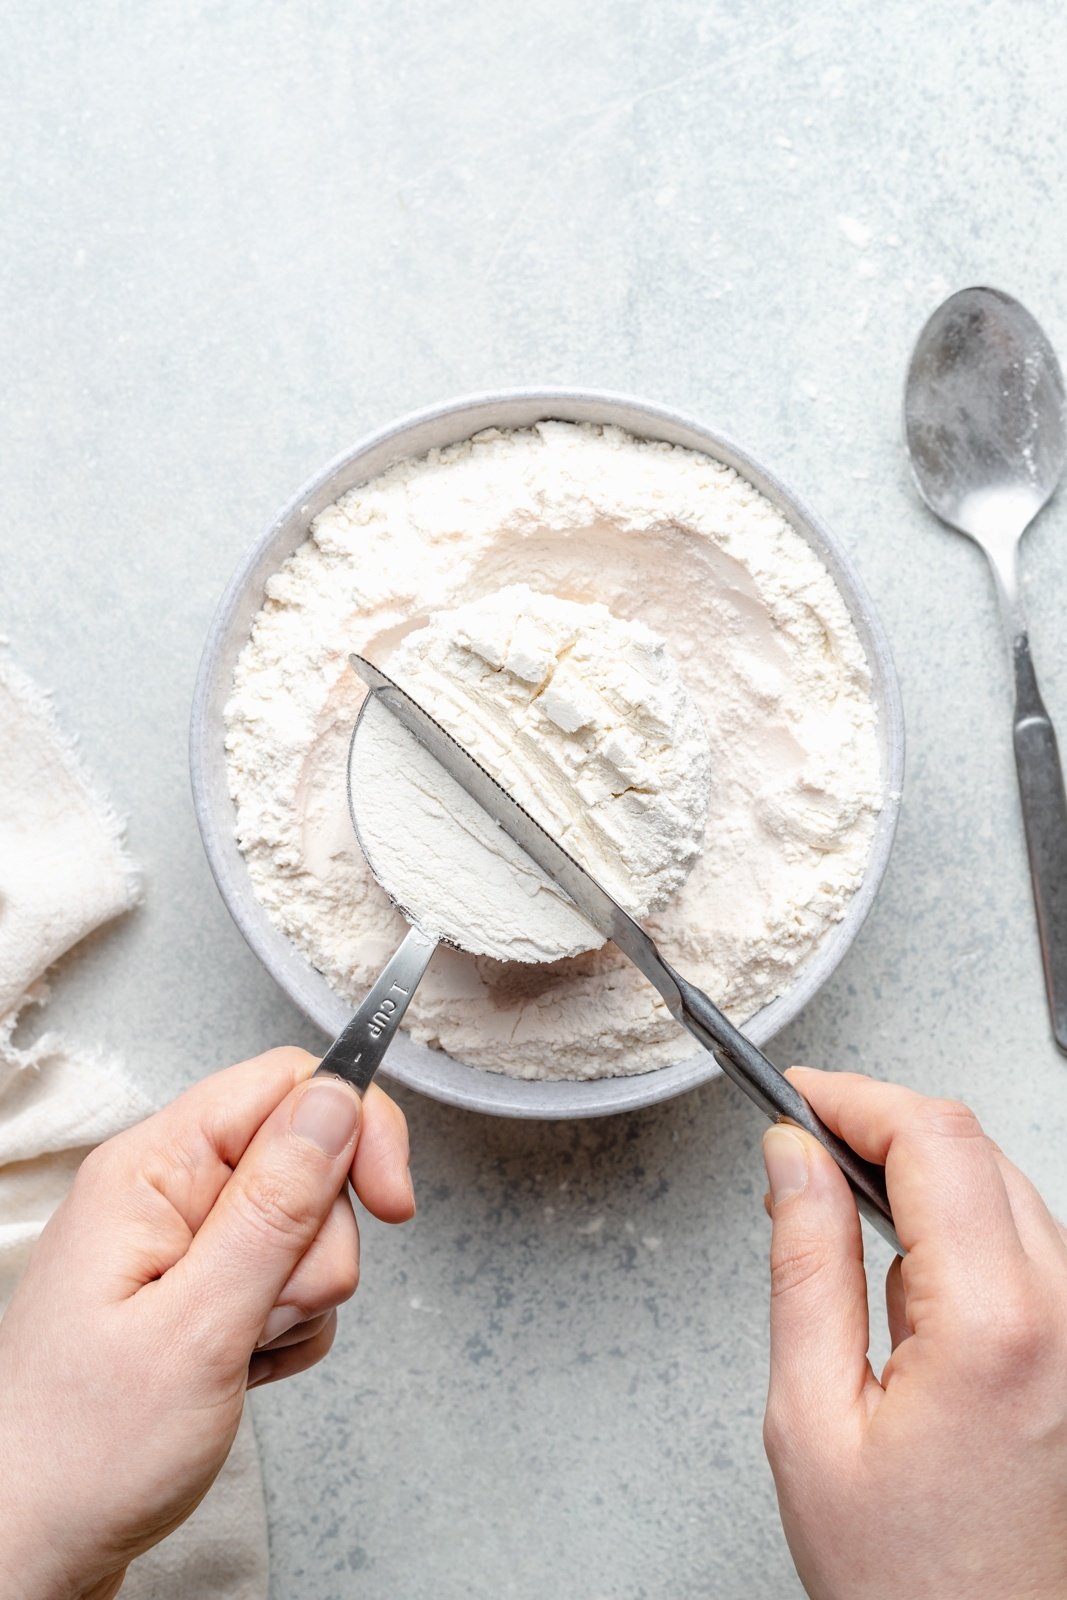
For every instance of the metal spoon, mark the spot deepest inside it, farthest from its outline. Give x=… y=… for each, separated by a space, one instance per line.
x=986 y=427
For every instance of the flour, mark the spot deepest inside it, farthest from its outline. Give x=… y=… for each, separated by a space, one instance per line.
x=585 y=720
x=765 y=647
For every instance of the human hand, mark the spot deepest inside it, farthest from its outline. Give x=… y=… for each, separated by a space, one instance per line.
x=948 y=1477
x=199 y=1253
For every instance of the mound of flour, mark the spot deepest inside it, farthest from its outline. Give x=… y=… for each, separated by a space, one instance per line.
x=764 y=645
x=585 y=721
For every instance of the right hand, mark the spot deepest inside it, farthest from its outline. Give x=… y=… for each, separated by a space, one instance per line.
x=945 y=1479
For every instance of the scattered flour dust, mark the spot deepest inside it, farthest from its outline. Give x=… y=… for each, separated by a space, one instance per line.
x=765 y=648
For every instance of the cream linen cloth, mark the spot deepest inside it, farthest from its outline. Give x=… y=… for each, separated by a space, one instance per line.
x=63 y=872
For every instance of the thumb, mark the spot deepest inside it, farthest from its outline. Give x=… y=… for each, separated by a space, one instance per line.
x=269 y=1211
x=819 y=1325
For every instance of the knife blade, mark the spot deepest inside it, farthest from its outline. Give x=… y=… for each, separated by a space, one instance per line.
x=739 y=1058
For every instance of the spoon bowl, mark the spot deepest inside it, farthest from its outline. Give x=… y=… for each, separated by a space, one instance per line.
x=984 y=415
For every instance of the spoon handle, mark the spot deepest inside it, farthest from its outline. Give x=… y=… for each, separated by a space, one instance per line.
x=1044 y=809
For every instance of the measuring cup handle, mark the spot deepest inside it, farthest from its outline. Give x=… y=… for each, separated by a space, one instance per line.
x=357 y=1052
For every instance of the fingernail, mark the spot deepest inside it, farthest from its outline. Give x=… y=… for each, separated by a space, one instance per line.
x=326 y=1115
x=411 y=1193
x=281 y=1319
x=786 y=1161
x=264 y=1368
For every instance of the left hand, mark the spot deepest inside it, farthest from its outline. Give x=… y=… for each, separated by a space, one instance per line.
x=196 y=1255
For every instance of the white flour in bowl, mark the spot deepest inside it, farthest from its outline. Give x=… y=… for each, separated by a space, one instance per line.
x=767 y=652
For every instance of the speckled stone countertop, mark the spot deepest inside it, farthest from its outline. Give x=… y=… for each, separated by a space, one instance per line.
x=237 y=237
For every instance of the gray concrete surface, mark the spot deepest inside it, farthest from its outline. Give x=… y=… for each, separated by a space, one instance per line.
x=236 y=236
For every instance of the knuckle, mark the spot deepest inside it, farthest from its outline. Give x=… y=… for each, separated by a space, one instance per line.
x=951 y=1119
x=332 y=1284
x=1016 y=1338
x=269 y=1210
x=289 y=1057
x=94 y=1170
x=783 y=1440
x=173 y=1166
x=344 y=1280
x=794 y=1263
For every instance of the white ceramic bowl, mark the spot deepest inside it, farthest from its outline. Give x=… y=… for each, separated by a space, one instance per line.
x=431 y=1071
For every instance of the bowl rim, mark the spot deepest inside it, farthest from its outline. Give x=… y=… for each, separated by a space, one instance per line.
x=433 y=1072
